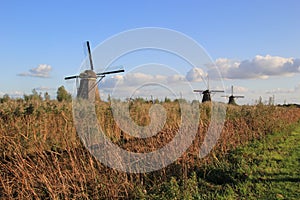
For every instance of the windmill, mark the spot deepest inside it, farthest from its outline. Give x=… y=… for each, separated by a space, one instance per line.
x=232 y=97
x=207 y=93
x=88 y=79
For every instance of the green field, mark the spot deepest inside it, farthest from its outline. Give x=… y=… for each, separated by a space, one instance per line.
x=271 y=168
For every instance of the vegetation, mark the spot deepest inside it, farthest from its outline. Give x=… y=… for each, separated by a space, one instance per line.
x=41 y=157
x=63 y=95
x=35 y=96
x=268 y=168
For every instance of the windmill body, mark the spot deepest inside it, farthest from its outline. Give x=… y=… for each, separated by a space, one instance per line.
x=206 y=96
x=231 y=100
x=88 y=89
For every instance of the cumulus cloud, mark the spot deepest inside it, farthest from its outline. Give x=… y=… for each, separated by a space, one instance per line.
x=280 y=91
x=13 y=94
x=261 y=67
x=143 y=85
x=294 y=90
x=236 y=89
x=176 y=78
x=111 y=81
x=135 y=79
x=44 y=88
x=42 y=71
x=138 y=78
x=195 y=75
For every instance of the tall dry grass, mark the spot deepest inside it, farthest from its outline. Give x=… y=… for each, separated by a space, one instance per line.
x=42 y=158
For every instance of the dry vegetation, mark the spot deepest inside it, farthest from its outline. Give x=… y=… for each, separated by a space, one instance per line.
x=41 y=156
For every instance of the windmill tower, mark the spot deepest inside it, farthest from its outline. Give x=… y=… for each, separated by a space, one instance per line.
x=207 y=93
x=88 y=80
x=232 y=97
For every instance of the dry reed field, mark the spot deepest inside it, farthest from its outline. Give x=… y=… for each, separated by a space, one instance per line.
x=42 y=157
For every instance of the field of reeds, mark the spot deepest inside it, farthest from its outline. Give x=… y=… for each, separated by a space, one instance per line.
x=41 y=157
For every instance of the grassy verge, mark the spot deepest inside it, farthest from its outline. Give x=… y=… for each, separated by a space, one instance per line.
x=271 y=168
x=268 y=168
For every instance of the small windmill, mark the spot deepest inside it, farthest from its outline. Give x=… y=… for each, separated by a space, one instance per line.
x=207 y=93
x=88 y=79
x=232 y=97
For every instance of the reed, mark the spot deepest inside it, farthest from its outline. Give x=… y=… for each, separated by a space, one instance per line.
x=42 y=157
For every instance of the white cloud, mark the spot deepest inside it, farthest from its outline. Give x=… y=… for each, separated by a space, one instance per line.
x=176 y=78
x=133 y=79
x=261 y=67
x=136 y=79
x=143 y=85
x=294 y=90
x=236 y=90
x=42 y=71
x=43 y=88
x=195 y=75
x=13 y=94
x=280 y=91
x=111 y=81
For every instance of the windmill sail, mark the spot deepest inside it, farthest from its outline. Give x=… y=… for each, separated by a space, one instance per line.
x=207 y=93
x=233 y=97
x=88 y=79
x=90 y=55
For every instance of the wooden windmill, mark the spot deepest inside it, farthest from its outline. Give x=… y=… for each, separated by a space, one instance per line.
x=88 y=79
x=232 y=97
x=207 y=93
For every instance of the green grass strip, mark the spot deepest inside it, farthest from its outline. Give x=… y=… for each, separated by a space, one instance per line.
x=267 y=169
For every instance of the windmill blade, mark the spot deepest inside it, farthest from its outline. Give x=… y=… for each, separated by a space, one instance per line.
x=225 y=96
x=207 y=82
x=98 y=74
x=90 y=55
x=216 y=90
x=238 y=96
x=198 y=90
x=110 y=72
x=70 y=77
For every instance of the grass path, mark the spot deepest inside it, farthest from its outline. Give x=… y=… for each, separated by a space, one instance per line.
x=268 y=168
x=271 y=168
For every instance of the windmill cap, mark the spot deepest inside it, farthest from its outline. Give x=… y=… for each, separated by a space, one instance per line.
x=88 y=74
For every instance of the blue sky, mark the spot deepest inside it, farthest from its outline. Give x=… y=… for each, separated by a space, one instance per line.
x=42 y=41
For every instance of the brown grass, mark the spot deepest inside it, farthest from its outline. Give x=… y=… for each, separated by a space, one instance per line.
x=42 y=158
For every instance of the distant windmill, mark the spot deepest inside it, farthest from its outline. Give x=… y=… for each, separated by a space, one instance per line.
x=207 y=93
x=88 y=79
x=232 y=97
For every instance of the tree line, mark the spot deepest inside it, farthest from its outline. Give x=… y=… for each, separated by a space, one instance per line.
x=61 y=95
